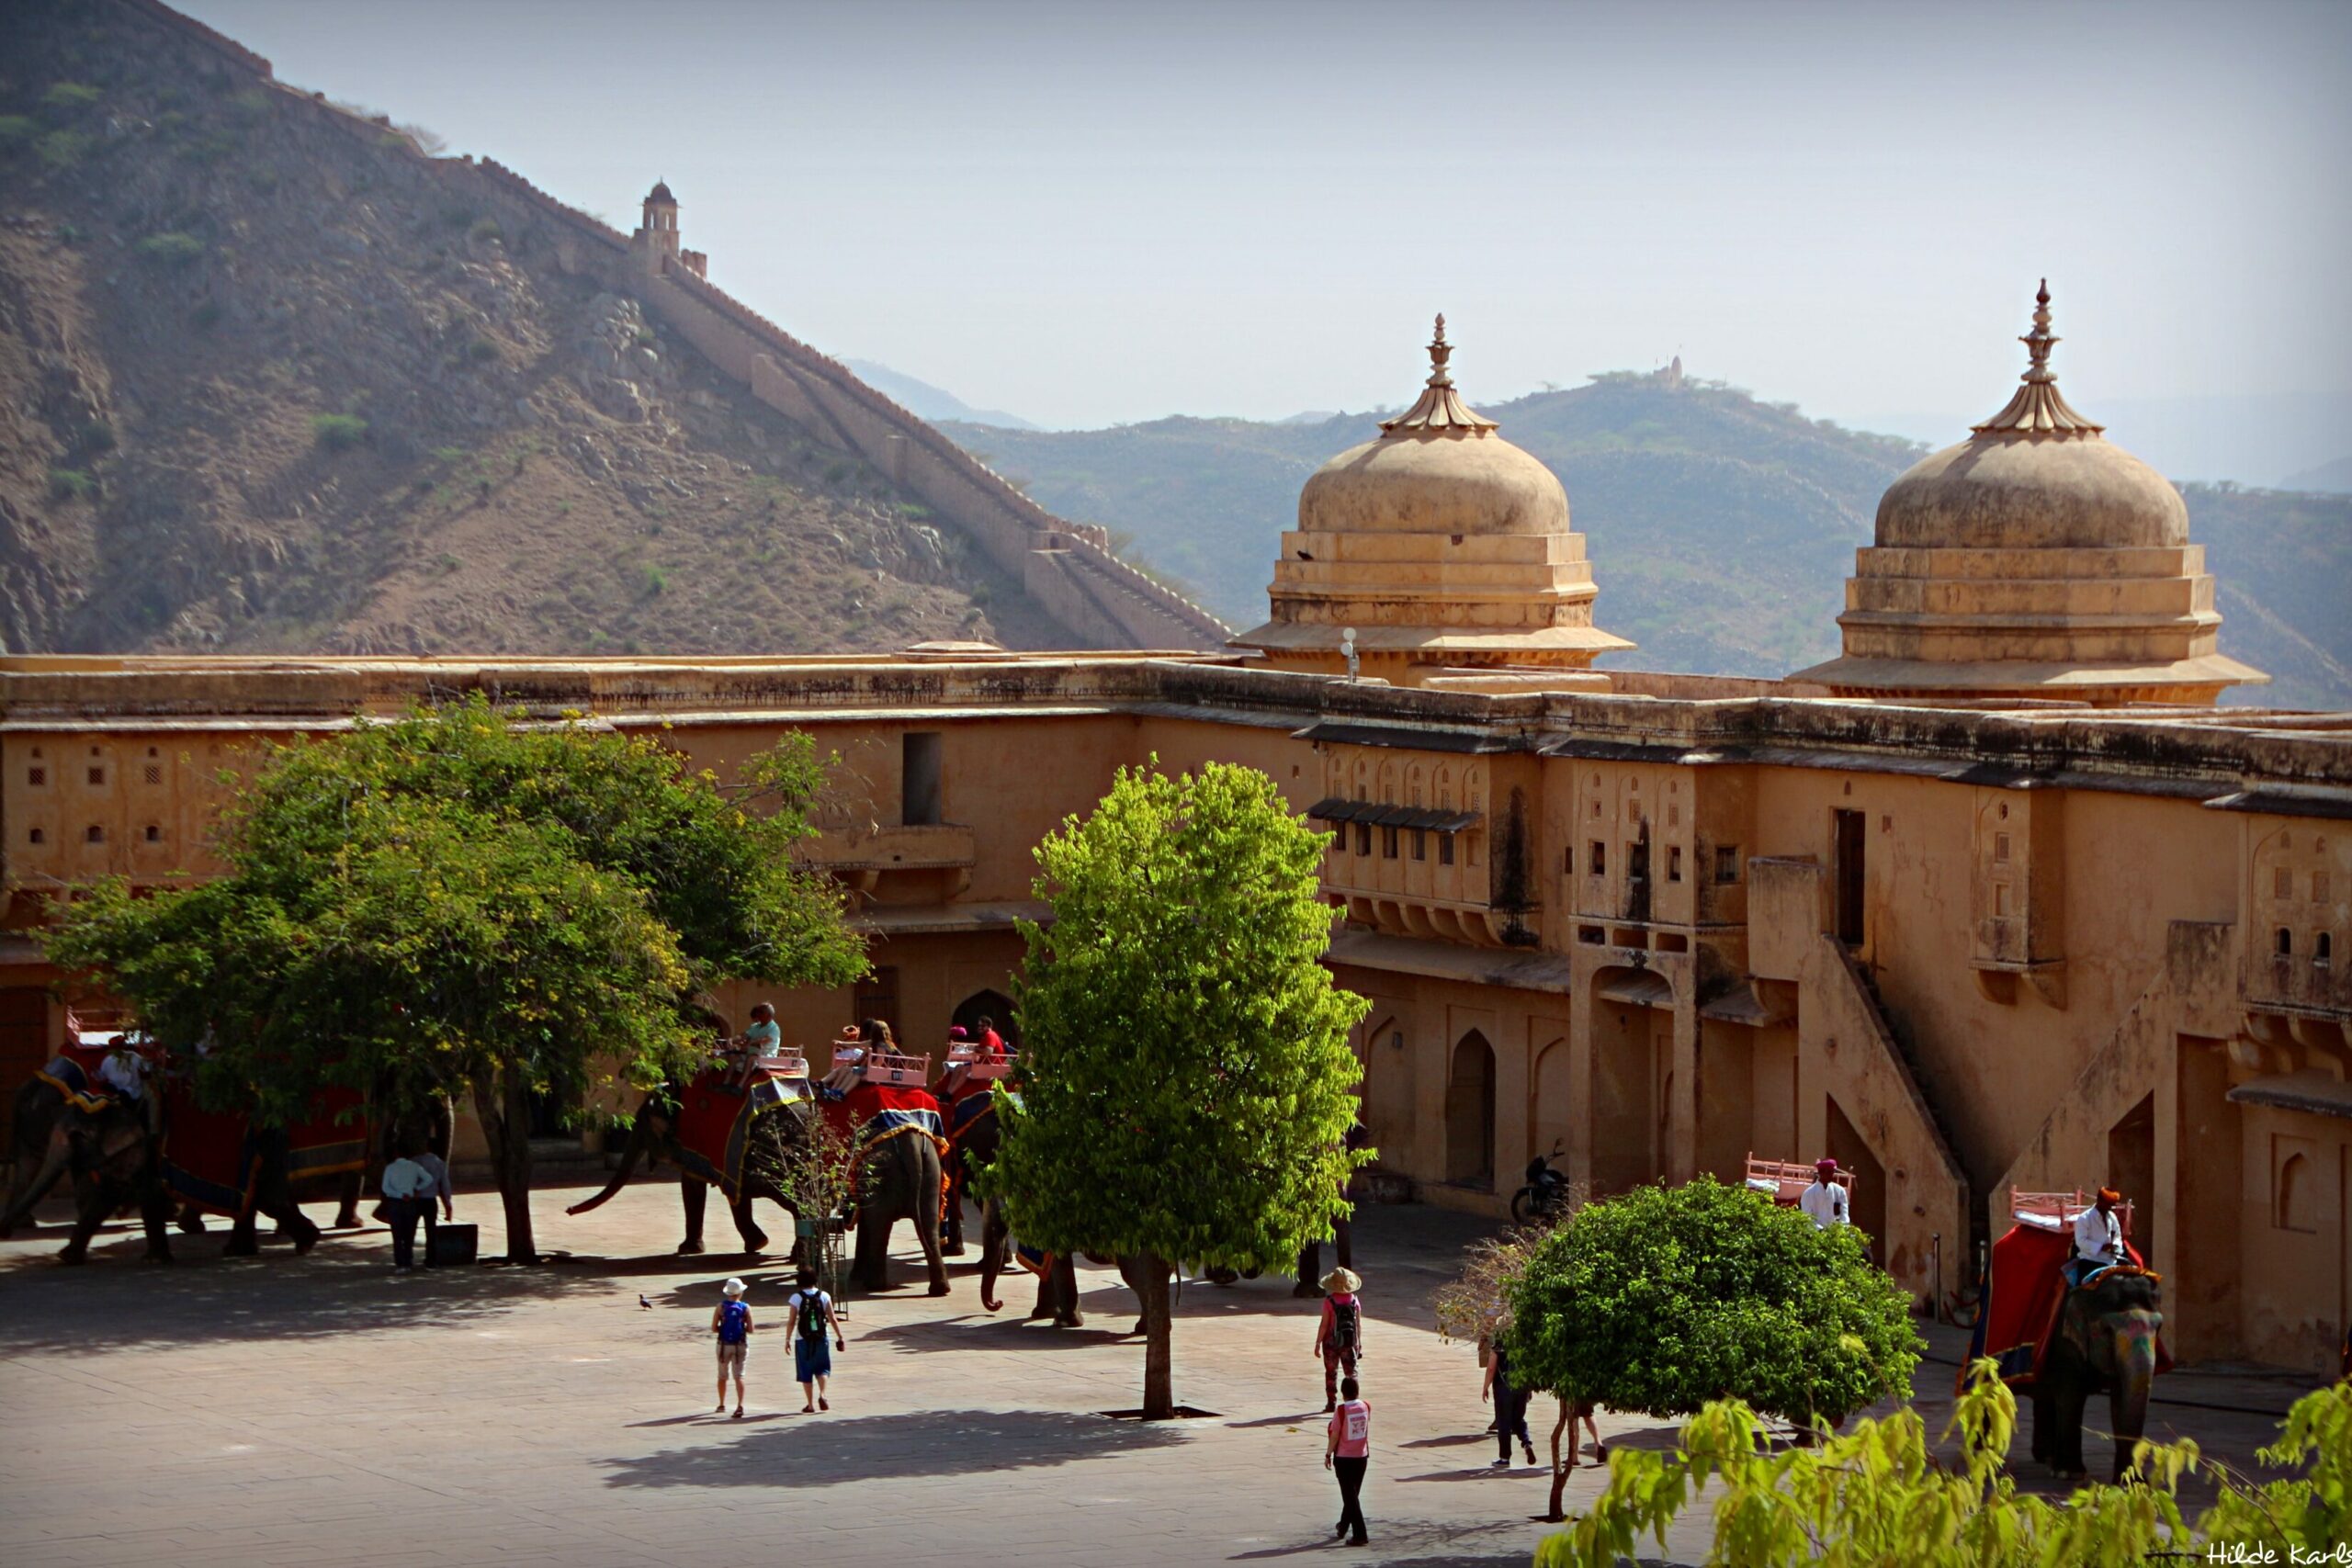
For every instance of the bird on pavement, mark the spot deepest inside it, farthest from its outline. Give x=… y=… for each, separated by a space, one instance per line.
x=643 y=1303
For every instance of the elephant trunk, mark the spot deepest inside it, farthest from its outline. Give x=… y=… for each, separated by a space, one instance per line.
x=52 y=1165
x=637 y=1138
x=2135 y=1371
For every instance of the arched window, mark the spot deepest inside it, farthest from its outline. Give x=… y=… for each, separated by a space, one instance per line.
x=1470 y=1114
x=2295 y=1203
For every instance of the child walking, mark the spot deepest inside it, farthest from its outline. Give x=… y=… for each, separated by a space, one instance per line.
x=731 y=1321
x=811 y=1312
x=1347 y=1450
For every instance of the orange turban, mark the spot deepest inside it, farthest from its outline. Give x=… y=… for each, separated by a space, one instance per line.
x=2111 y=1194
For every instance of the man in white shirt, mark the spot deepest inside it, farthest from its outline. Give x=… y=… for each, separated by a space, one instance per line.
x=2098 y=1238
x=408 y=1188
x=1826 y=1201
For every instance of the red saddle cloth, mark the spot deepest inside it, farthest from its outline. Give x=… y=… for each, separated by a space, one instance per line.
x=212 y=1158
x=2025 y=1286
x=715 y=1114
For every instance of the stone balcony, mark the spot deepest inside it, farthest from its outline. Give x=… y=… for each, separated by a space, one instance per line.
x=929 y=863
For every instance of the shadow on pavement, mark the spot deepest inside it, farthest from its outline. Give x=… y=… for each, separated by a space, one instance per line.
x=982 y=1331
x=1426 y=1536
x=827 y=1451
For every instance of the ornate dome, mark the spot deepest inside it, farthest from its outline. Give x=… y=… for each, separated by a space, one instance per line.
x=2035 y=559
x=1442 y=546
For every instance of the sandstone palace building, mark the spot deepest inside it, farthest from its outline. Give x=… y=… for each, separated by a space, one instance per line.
x=2000 y=897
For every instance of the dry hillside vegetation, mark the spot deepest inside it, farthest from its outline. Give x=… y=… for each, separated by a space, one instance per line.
x=270 y=385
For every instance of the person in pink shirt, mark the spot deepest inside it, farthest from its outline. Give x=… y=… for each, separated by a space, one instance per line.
x=1347 y=1450
x=1339 y=1333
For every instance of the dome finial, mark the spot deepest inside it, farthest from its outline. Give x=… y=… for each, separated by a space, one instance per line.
x=1440 y=411
x=2037 y=408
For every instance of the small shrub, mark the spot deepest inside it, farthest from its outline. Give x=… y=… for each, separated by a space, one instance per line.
x=338 y=431
x=63 y=148
x=261 y=180
x=94 y=435
x=654 y=580
x=485 y=228
x=206 y=316
x=16 y=133
x=175 y=249
x=836 y=472
x=447 y=562
x=448 y=454
x=250 y=105
x=70 y=95
x=482 y=349
x=71 y=484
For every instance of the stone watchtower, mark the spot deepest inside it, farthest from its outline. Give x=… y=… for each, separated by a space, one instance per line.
x=657 y=234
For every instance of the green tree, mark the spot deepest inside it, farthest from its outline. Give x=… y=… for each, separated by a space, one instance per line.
x=1879 y=1495
x=1667 y=1297
x=1186 y=1080
x=457 y=902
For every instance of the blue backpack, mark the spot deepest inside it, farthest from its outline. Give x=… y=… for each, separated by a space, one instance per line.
x=734 y=1322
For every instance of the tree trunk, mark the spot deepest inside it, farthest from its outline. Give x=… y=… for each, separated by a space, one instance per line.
x=1560 y=1472
x=505 y=1114
x=1148 y=1277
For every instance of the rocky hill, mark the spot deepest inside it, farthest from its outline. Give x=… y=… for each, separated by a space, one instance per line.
x=273 y=380
x=1721 y=527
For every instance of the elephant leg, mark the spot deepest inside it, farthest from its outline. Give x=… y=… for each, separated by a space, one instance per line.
x=191 y=1221
x=1310 y=1268
x=869 y=1270
x=926 y=1220
x=2066 y=1437
x=292 y=1223
x=995 y=1249
x=2045 y=1419
x=952 y=1243
x=91 y=1204
x=155 y=1210
x=1063 y=1279
x=346 y=1213
x=243 y=1241
x=755 y=1240
x=691 y=1194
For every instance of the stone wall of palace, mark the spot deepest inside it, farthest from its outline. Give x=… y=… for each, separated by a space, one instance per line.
x=1961 y=952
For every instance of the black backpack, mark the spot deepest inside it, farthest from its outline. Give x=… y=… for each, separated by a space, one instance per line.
x=812 y=1315
x=1343 y=1326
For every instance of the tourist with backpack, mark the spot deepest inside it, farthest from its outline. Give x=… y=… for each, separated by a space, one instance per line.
x=1511 y=1406
x=733 y=1323
x=811 y=1312
x=1338 y=1335
x=1347 y=1451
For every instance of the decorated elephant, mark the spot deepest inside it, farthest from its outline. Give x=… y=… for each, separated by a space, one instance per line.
x=2105 y=1340
x=719 y=1133
x=900 y=1177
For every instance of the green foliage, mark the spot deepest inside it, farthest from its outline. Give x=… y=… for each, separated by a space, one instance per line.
x=1185 y=1071
x=70 y=95
x=205 y=317
x=18 y=131
x=63 y=148
x=1667 y=1297
x=338 y=431
x=481 y=349
x=453 y=902
x=485 y=228
x=652 y=580
x=1878 y=1495
x=71 y=484
x=175 y=249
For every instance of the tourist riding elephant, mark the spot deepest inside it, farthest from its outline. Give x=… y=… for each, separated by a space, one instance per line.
x=433 y=1121
x=899 y=1178
x=704 y=1143
x=2105 y=1341
x=114 y=1157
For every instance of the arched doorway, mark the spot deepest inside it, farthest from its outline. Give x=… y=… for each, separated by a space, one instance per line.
x=993 y=1005
x=1470 y=1114
x=1550 y=1110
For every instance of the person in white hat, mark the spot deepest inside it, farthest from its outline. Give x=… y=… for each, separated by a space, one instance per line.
x=731 y=1321
x=1338 y=1335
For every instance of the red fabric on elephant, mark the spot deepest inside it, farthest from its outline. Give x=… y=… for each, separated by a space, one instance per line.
x=332 y=1140
x=2025 y=1284
x=210 y=1157
x=875 y=1110
x=715 y=1114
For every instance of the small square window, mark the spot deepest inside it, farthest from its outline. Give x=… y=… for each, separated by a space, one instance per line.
x=37 y=776
x=2286 y=938
x=1446 y=848
x=1596 y=859
x=36 y=836
x=1674 y=863
x=154 y=834
x=154 y=773
x=1568 y=862
x=1364 y=838
x=94 y=835
x=1727 y=862
x=1420 y=844
x=2323 y=948
x=97 y=775
x=1388 y=843
x=2000 y=846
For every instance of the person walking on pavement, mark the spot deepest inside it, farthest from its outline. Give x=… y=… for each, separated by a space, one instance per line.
x=731 y=1321
x=1511 y=1407
x=1347 y=1451
x=812 y=1363
x=407 y=1188
x=1338 y=1333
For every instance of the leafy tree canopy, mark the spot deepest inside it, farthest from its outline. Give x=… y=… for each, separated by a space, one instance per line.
x=1667 y=1297
x=1186 y=1077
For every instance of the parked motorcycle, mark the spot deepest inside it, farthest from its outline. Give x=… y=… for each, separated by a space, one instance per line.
x=1546 y=1194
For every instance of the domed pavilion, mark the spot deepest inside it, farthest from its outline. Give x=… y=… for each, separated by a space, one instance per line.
x=1445 y=551
x=2034 y=559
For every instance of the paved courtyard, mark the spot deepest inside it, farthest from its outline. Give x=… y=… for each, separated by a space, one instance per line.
x=323 y=1410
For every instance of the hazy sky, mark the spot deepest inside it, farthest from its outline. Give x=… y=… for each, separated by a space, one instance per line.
x=1091 y=213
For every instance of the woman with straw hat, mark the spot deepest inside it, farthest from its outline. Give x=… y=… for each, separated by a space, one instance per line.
x=1339 y=1333
x=731 y=1321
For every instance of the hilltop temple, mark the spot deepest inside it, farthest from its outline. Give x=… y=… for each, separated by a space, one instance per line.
x=1998 y=900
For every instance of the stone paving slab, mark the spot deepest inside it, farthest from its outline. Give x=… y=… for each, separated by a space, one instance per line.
x=323 y=1410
